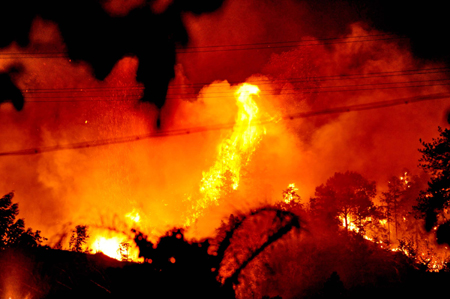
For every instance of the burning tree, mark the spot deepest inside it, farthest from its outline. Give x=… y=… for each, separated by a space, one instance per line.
x=398 y=204
x=123 y=251
x=391 y=199
x=433 y=203
x=347 y=196
x=291 y=200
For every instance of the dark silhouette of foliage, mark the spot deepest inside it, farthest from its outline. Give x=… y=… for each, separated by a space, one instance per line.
x=434 y=202
x=192 y=263
x=334 y=288
x=344 y=195
x=12 y=231
x=189 y=265
x=283 y=222
x=79 y=238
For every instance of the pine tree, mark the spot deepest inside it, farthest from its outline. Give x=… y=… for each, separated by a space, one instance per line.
x=433 y=203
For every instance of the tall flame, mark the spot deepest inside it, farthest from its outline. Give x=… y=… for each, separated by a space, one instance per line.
x=233 y=152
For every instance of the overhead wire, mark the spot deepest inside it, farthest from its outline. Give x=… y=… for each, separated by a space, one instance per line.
x=122 y=93
x=306 y=90
x=193 y=130
x=339 y=77
x=240 y=47
x=292 y=41
x=286 y=46
x=228 y=48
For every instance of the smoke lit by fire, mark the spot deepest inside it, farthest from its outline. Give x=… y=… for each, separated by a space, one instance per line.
x=212 y=131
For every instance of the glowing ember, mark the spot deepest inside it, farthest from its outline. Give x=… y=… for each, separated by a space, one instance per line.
x=233 y=153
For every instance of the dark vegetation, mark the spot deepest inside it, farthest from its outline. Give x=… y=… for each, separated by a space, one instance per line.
x=12 y=231
x=79 y=238
x=289 y=250
x=434 y=202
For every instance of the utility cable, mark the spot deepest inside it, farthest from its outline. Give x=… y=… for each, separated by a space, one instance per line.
x=193 y=130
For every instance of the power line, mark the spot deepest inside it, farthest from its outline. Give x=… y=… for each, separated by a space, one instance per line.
x=339 y=77
x=193 y=130
x=219 y=97
x=235 y=45
x=293 y=41
x=243 y=47
x=342 y=76
x=332 y=86
x=287 y=46
x=83 y=93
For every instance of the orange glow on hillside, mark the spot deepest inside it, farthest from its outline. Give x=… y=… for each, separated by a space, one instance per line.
x=117 y=247
x=109 y=247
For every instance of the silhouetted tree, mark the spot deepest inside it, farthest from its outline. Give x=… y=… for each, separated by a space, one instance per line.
x=195 y=265
x=334 y=288
x=12 y=231
x=344 y=195
x=79 y=238
x=434 y=202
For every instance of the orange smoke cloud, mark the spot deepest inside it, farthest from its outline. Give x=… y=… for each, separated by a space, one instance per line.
x=100 y=186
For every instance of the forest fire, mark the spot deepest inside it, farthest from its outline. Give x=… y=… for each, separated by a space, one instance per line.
x=230 y=148
x=110 y=247
x=118 y=245
x=233 y=153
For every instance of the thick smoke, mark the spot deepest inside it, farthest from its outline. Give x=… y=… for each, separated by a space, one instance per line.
x=101 y=33
x=99 y=186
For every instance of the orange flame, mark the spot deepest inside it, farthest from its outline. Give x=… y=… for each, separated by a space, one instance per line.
x=117 y=245
x=233 y=152
x=289 y=196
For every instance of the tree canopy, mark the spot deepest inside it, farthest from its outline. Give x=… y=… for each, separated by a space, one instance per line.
x=12 y=231
x=79 y=238
x=344 y=195
x=433 y=203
